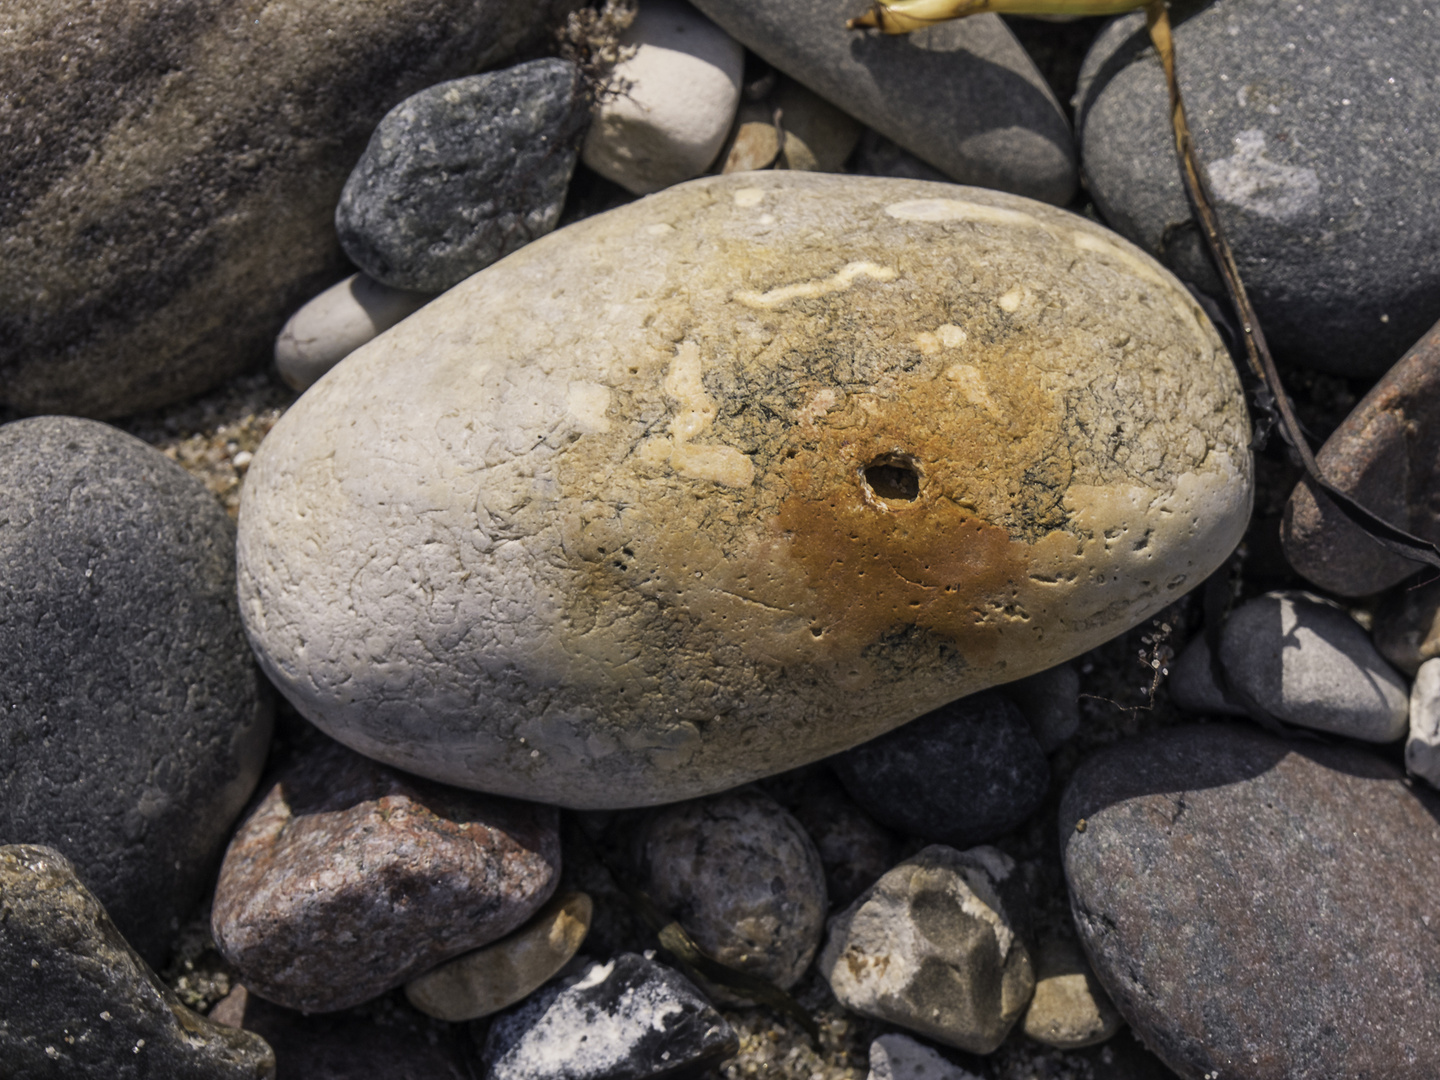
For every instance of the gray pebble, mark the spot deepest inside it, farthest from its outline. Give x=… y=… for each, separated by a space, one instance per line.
x=1050 y=700
x=463 y=173
x=1422 y=749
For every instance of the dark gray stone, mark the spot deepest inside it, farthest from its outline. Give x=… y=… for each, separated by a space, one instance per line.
x=628 y=1019
x=1258 y=908
x=962 y=96
x=743 y=878
x=349 y=878
x=76 y=1002
x=1050 y=701
x=1319 y=124
x=1386 y=455
x=133 y=722
x=169 y=171
x=463 y=173
x=961 y=775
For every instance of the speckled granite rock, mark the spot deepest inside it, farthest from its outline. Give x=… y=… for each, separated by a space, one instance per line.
x=348 y=879
x=988 y=118
x=133 y=724
x=1260 y=908
x=1318 y=126
x=963 y=774
x=155 y=248
x=390 y=1043
x=930 y=947
x=744 y=880
x=462 y=174
x=495 y=977
x=628 y=1019
x=77 y=1002
x=1387 y=456
x=773 y=408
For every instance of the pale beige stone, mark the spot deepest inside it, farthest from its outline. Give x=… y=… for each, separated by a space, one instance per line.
x=1070 y=1009
x=334 y=324
x=492 y=978
x=735 y=477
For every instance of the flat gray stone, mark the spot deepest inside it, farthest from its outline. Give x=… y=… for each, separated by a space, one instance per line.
x=963 y=96
x=463 y=173
x=133 y=723
x=169 y=171
x=78 y=1003
x=1319 y=126
x=1258 y=908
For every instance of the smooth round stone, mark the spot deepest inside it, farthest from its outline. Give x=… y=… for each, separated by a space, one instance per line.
x=743 y=879
x=1317 y=124
x=463 y=173
x=670 y=104
x=495 y=977
x=1311 y=664
x=813 y=135
x=80 y=1004
x=336 y=323
x=1069 y=1009
x=133 y=724
x=964 y=774
x=348 y=879
x=1260 y=908
x=733 y=478
x=1422 y=748
x=1385 y=455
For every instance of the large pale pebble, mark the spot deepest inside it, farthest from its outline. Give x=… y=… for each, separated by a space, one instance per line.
x=733 y=478
x=670 y=103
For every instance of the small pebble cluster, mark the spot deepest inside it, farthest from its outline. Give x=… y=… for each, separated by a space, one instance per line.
x=749 y=557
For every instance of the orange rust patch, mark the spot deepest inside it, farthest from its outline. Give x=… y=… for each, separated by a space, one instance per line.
x=876 y=566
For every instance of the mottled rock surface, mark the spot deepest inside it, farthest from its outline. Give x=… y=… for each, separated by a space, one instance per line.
x=1422 y=748
x=812 y=136
x=930 y=947
x=348 y=879
x=1318 y=125
x=334 y=324
x=487 y=980
x=1407 y=626
x=964 y=774
x=76 y=1002
x=772 y=406
x=988 y=116
x=744 y=880
x=1386 y=455
x=156 y=248
x=1260 y=908
x=669 y=102
x=133 y=724
x=628 y=1019
x=463 y=173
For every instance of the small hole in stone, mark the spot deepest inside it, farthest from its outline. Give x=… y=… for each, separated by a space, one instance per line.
x=893 y=478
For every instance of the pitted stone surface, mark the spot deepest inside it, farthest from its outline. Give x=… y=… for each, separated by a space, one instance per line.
x=133 y=724
x=349 y=879
x=743 y=878
x=1260 y=908
x=169 y=171
x=734 y=477
x=78 y=1003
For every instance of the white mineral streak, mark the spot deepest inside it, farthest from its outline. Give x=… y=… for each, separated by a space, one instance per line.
x=1253 y=182
x=592 y=528
x=808 y=290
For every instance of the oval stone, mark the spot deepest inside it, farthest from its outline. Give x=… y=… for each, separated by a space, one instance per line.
x=733 y=478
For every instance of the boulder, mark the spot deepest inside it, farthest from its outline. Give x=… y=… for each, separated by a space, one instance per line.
x=77 y=1002
x=733 y=478
x=133 y=724
x=964 y=96
x=169 y=171
x=1260 y=908
x=1317 y=124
